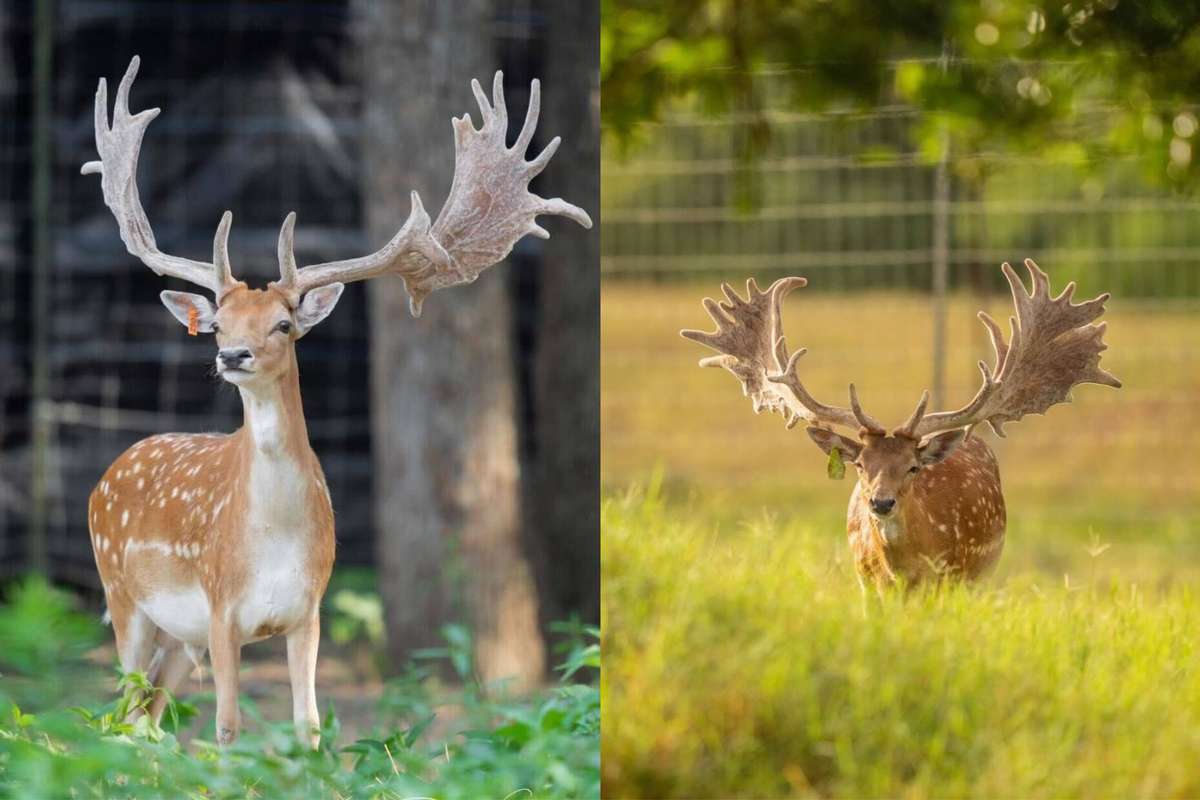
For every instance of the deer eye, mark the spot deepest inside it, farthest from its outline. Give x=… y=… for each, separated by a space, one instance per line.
x=284 y=327
x=913 y=470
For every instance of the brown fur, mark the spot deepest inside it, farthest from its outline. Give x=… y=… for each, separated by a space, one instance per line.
x=170 y=512
x=949 y=519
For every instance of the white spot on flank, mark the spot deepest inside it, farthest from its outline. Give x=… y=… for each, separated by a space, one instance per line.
x=124 y=518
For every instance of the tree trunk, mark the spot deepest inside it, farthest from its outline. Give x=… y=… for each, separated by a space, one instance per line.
x=565 y=490
x=447 y=482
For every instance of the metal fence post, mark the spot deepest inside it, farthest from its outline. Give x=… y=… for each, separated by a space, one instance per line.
x=941 y=255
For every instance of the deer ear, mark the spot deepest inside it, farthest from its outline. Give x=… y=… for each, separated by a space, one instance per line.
x=938 y=448
x=181 y=304
x=317 y=305
x=827 y=440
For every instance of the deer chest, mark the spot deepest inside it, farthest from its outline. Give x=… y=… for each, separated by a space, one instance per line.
x=286 y=541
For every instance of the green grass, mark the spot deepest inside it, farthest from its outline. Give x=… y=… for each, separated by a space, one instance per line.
x=742 y=660
x=739 y=657
x=61 y=737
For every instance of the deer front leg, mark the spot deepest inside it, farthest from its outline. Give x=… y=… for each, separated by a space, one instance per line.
x=302 y=646
x=226 y=653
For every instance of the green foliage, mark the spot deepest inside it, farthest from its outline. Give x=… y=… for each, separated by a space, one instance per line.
x=836 y=468
x=1021 y=76
x=41 y=634
x=742 y=660
x=468 y=743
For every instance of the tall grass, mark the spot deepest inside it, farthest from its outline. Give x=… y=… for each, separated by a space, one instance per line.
x=742 y=660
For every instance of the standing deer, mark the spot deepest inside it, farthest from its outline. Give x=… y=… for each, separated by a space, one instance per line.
x=928 y=501
x=211 y=541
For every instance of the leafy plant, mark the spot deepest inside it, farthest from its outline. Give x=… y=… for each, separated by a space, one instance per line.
x=473 y=741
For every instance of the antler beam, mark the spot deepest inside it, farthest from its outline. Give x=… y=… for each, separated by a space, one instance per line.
x=488 y=210
x=119 y=146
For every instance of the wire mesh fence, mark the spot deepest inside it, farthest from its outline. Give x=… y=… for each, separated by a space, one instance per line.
x=848 y=200
x=262 y=104
x=851 y=197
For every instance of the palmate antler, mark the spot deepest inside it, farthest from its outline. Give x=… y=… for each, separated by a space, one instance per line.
x=488 y=210
x=749 y=336
x=118 y=146
x=1053 y=348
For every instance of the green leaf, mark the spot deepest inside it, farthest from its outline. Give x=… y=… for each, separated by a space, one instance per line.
x=836 y=467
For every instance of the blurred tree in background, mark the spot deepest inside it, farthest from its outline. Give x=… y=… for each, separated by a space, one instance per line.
x=989 y=75
x=467 y=528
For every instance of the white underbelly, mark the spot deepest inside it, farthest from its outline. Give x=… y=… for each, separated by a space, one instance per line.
x=183 y=613
x=276 y=595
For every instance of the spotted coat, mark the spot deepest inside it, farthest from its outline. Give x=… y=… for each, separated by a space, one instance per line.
x=950 y=524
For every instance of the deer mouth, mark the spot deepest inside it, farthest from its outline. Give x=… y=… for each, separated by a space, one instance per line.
x=234 y=374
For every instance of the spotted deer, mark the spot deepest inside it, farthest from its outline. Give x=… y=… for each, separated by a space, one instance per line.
x=928 y=502
x=211 y=541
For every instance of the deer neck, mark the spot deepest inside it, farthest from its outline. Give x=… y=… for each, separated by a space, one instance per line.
x=282 y=477
x=274 y=426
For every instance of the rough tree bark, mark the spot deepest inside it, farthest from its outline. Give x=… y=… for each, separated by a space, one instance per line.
x=447 y=490
x=565 y=490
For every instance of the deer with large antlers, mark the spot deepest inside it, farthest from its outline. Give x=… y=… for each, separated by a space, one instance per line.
x=928 y=502
x=211 y=541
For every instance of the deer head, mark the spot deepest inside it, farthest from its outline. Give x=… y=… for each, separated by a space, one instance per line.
x=488 y=209
x=1053 y=347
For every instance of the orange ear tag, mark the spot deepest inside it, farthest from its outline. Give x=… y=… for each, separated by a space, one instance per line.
x=193 y=321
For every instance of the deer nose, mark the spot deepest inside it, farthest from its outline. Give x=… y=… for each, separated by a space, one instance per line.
x=883 y=506
x=234 y=357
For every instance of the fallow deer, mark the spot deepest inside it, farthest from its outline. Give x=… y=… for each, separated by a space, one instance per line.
x=928 y=502
x=210 y=541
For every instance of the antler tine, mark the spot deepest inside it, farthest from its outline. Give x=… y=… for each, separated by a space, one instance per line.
x=285 y=250
x=868 y=423
x=119 y=145
x=488 y=210
x=1053 y=347
x=909 y=428
x=221 y=266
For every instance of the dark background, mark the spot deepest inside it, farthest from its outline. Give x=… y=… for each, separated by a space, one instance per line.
x=263 y=107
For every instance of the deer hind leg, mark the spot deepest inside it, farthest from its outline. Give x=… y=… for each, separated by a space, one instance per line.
x=136 y=638
x=302 y=645
x=175 y=666
x=225 y=653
